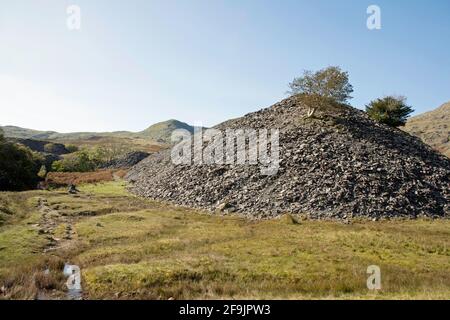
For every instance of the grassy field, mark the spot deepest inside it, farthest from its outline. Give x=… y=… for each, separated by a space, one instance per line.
x=129 y=248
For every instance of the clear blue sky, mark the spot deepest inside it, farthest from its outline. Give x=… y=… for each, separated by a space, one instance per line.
x=134 y=63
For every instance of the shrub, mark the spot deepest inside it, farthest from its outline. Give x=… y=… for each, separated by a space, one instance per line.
x=18 y=167
x=75 y=162
x=390 y=110
x=71 y=148
x=51 y=148
x=88 y=160
x=322 y=88
x=109 y=152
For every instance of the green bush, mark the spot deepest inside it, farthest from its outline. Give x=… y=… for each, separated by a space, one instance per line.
x=50 y=148
x=89 y=159
x=390 y=110
x=71 y=148
x=81 y=161
x=18 y=167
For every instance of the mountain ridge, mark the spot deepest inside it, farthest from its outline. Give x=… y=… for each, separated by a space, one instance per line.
x=159 y=132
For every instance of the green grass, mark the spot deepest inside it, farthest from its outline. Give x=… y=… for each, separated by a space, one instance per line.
x=115 y=188
x=19 y=241
x=213 y=257
x=148 y=250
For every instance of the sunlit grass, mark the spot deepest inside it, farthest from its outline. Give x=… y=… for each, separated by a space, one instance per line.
x=134 y=248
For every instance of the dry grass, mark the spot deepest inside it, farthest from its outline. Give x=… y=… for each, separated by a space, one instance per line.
x=38 y=280
x=433 y=128
x=135 y=143
x=186 y=255
x=23 y=259
x=131 y=248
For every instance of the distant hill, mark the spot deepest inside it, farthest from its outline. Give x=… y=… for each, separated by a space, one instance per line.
x=23 y=133
x=161 y=132
x=158 y=133
x=433 y=128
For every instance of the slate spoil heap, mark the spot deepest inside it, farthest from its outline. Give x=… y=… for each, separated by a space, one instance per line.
x=338 y=165
x=126 y=161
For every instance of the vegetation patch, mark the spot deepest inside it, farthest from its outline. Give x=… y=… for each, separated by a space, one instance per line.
x=149 y=250
x=58 y=179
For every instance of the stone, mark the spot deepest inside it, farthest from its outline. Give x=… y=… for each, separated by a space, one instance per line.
x=346 y=168
x=224 y=206
x=289 y=219
x=72 y=189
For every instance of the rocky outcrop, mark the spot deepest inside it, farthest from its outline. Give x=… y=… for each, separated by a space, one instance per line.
x=339 y=165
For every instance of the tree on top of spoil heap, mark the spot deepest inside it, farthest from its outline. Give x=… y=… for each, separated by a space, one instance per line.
x=390 y=110
x=317 y=90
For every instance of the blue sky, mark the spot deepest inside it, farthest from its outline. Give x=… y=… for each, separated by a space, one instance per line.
x=134 y=63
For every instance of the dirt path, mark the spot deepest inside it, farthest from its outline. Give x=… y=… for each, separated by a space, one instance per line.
x=51 y=219
x=62 y=239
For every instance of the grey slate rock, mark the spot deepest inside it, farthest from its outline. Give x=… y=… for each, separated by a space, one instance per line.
x=340 y=165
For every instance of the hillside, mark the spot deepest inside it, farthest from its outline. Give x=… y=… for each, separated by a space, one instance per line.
x=340 y=165
x=56 y=149
x=148 y=140
x=161 y=132
x=24 y=133
x=433 y=128
x=158 y=132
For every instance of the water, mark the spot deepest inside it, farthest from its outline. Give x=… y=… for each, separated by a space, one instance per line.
x=73 y=283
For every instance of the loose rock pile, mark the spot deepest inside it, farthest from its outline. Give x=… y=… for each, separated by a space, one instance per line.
x=339 y=165
x=126 y=161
